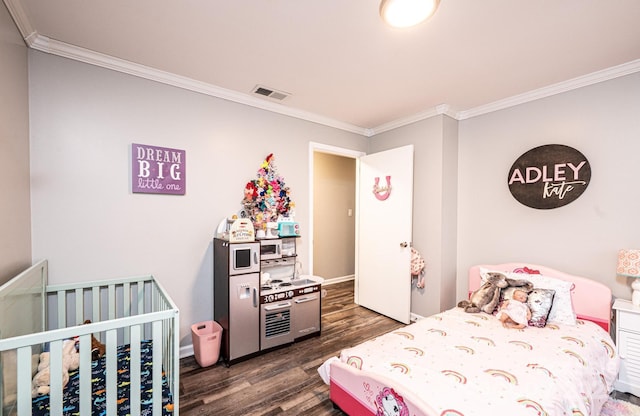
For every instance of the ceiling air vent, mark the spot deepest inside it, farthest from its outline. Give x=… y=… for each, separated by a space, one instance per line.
x=270 y=93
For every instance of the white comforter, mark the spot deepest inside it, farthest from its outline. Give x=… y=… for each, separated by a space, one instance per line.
x=469 y=364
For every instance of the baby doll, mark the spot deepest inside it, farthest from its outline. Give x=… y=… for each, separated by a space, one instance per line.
x=515 y=313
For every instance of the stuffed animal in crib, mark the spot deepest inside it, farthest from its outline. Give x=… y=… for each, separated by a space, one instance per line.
x=41 y=382
x=487 y=297
x=97 y=348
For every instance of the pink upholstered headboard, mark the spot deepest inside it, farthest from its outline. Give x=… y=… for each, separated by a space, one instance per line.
x=591 y=299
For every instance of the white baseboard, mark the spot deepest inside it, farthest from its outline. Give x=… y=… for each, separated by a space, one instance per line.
x=415 y=317
x=186 y=351
x=340 y=279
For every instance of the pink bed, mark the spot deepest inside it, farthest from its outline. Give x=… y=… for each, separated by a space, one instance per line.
x=457 y=363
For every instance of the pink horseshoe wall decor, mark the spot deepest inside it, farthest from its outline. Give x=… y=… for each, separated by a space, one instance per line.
x=382 y=192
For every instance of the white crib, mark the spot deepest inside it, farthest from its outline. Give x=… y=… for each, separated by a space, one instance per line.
x=125 y=313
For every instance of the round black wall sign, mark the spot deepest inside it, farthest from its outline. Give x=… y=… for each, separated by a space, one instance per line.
x=549 y=176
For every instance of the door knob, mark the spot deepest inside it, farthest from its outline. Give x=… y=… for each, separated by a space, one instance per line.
x=404 y=244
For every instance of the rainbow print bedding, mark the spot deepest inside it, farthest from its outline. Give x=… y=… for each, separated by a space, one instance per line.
x=71 y=391
x=459 y=363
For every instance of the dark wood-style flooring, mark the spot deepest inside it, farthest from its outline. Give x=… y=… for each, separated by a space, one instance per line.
x=284 y=381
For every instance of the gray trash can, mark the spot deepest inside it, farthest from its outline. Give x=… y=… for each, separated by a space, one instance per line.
x=206 y=337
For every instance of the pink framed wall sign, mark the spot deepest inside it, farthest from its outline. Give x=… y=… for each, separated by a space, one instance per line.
x=157 y=170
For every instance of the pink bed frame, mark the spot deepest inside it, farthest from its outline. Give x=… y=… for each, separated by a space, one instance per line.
x=591 y=302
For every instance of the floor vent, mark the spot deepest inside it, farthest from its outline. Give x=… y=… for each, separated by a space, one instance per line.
x=270 y=93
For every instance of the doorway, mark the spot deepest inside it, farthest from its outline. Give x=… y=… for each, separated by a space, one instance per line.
x=377 y=262
x=332 y=185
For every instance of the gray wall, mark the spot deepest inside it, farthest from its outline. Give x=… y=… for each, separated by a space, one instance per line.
x=85 y=219
x=464 y=213
x=583 y=237
x=434 y=205
x=15 y=211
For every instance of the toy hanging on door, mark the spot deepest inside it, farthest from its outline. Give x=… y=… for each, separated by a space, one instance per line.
x=417 y=268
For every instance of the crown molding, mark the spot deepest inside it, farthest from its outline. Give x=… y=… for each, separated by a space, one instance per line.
x=564 y=86
x=55 y=47
x=52 y=46
x=442 y=109
x=20 y=18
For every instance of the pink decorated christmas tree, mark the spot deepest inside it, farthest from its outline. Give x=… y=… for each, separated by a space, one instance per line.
x=266 y=198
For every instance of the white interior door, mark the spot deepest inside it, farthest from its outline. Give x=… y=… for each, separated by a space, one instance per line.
x=384 y=212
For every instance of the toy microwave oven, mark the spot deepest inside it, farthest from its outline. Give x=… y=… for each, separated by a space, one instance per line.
x=288 y=229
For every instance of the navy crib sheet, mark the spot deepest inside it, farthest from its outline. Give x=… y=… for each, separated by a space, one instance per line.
x=71 y=403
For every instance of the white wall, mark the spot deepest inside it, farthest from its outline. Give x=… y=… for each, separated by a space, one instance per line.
x=85 y=219
x=601 y=121
x=15 y=214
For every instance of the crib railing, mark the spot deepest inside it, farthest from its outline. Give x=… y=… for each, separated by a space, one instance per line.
x=122 y=311
x=72 y=304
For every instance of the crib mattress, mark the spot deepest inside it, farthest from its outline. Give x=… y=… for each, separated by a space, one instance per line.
x=71 y=399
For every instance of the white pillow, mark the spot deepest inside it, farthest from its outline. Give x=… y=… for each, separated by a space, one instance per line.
x=562 y=309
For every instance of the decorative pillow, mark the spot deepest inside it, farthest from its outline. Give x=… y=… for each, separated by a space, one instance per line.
x=562 y=309
x=540 y=302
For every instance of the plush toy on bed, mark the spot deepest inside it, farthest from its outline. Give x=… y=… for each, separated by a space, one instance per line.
x=42 y=380
x=487 y=297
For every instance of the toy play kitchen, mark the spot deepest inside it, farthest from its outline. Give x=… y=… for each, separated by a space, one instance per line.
x=260 y=299
x=262 y=304
x=289 y=303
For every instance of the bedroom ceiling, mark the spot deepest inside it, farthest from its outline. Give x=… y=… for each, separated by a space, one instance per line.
x=338 y=61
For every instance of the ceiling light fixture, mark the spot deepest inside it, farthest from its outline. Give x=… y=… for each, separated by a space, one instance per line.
x=406 y=13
